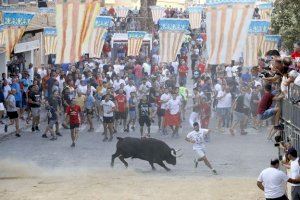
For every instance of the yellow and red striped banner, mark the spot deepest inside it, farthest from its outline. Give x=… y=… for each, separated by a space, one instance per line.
x=157 y=13
x=195 y=16
x=74 y=19
x=270 y=42
x=50 y=40
x=256 y=32
x=135 y=41
x=171 y=37
x=15 y=24
x=94 y=45
x=2 y=38
x=227 y=26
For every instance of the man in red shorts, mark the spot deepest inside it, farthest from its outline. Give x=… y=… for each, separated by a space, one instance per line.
x=73 y=112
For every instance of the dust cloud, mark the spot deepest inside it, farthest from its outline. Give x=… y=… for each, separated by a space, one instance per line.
x=27 y=181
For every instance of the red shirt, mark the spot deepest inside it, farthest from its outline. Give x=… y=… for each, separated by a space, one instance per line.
x=204 y=110
x=201 y=68
x=265 y=102
x=183 y=70
x=73 y=112
x=295 y=55
x=121 y=102
x=138 y=71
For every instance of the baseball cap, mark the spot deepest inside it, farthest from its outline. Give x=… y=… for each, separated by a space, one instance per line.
x=292 y=150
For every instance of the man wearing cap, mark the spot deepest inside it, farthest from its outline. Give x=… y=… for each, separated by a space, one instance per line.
x=196 y=137
x=273 y=182
x=73 y=112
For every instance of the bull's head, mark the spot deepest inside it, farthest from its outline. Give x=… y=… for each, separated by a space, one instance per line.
x=172 y=158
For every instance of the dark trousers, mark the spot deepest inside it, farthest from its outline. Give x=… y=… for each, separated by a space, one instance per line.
x=279 y=198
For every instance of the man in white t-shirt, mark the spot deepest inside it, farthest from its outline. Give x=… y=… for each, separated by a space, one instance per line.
x=273 y=182
x=196 y=137
x=147 y=67
x=117 y=83
x=228 y=70
x=129 y=88
x=294 y=172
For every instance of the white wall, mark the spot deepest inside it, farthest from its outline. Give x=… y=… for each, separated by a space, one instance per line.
x=3 y=67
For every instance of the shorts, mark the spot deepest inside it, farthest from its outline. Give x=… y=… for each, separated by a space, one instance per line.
x=12 y=115
x=51 y=123
x=267 y=114
x=108 y=120
x=89 y=111
x=238 y=116
x=35 y=112
x=120 y=115
x=221 y=112
x=279 y=198
x=144 y=120
x=200 y=152
x=73 y=126
x=132 y=114
x=2 y=108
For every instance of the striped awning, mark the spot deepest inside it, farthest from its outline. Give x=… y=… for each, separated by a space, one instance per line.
x=227 y=26
x=74 y=19
x=135 y=41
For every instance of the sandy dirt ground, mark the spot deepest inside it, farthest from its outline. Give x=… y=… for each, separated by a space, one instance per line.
x=25 y=181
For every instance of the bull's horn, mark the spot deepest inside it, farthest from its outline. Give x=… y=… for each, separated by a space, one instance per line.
x=173 y=154
x=177 y=150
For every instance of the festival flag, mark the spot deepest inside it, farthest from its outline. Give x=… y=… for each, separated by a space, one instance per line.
x=95 y=44
x=157 y=13
x=15 y=24
x=171 y=36
x=195 y=16
x=135 y=41
x=256 y=32
x=270 y=42
x=50 y=40
x=227 y=26
x=265 y=10
x=122 y=11
x=73 y=21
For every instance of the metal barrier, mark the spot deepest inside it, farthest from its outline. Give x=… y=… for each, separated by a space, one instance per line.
x=290 y=115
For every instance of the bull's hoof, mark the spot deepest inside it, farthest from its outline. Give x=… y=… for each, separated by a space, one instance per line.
x=168 y=169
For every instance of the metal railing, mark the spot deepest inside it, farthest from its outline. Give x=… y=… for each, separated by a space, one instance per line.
x=290 y=116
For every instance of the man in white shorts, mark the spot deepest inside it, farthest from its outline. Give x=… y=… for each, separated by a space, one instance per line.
x=196 y=137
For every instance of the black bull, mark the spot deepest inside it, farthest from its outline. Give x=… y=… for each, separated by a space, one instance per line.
x=149 y=149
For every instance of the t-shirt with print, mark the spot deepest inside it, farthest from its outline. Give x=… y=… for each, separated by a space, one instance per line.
x=73 y=113
x=121 y=102
x=198 y=137
x=108 y=108
x=35 y=97
x=144 y=109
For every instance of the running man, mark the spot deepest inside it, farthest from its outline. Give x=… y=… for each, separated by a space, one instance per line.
x=73 y=111
x=196 y=137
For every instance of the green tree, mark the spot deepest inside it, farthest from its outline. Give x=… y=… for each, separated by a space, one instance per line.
x=286 y=21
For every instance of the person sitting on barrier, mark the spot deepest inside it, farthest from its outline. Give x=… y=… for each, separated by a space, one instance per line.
x=265 y=109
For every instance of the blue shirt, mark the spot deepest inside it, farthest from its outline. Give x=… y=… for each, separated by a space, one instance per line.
x=89 y=103
x=18 y=95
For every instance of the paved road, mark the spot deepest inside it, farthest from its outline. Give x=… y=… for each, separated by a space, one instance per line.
x=238 y=156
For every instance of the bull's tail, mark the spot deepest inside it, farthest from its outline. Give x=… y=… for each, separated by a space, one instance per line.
x=120 y=139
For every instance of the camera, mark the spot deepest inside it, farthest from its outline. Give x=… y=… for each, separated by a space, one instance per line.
x=265 y=74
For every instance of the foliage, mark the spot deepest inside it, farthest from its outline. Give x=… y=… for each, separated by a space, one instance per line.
x=286 y=21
